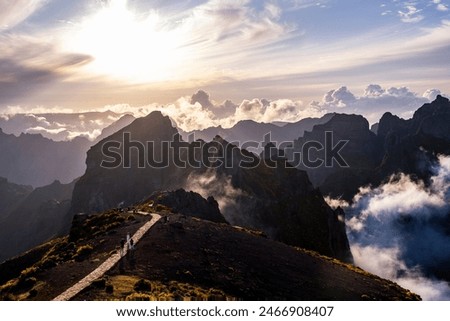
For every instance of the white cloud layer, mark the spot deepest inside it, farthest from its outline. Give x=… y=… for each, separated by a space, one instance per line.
x=397 y=231
x=375 y=101
x=201 y=111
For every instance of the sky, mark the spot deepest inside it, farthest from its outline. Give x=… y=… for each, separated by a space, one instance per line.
x=309 y=57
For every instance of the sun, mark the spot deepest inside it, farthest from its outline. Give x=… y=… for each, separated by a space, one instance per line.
x=128 y=46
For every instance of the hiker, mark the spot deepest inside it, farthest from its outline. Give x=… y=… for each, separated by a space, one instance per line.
x=131 y=244
x=122 y=247
x=128 y=240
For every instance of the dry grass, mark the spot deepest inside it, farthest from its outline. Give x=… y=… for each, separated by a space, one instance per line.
x=132 y=288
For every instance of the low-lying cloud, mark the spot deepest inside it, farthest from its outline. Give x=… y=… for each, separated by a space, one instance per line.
x=375 y=101
x=399 y=231
x=58 y=127
x=201 y=111
x=219 y=187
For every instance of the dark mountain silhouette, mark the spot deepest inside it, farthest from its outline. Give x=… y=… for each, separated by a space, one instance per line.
x=34 y=160
x=101 y=188
x=362 y=153
x=188 y=203
x=36 y=218
x=115 y=127
x=280 y=201
x=400 y=146
x=374 y=128
x=411 y=145
x=251 y=131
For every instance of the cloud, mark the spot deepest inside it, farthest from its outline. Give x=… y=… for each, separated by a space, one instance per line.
x=91 y=135
x=232 y=20
x=209 y=44
x=442 y=7
x=39 y=130
x=375 y=101
x=397 y=230
x=431 y=94
x=58 y=126
x=28 y=65
x=202 y=98
x=303 y=4
x=410 y=14
x=13 y=12
x=339 y=98
x=285 y=110
x=387 y=263
x=200 y=111
x=219 y=187
x=335 y=203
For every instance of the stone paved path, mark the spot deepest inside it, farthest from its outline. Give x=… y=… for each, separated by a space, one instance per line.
x=107 y=265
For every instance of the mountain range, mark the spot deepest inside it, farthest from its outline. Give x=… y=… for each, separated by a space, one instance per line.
x=399 y=146
x=250 y=131
x=262 y=192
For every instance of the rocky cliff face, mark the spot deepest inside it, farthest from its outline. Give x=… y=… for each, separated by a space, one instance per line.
x=362 y=152
x=190 y=204
x=411 y=145
x=279 y=200
x=102 y=188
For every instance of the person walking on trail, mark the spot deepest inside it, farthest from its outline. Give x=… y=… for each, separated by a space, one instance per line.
x=128 y=241
x=122 y=247
x=131 y=244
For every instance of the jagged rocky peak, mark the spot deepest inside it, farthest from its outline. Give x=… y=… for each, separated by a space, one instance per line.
x=152 y=128
x=430 y=119
x=441 y=105
x=433 y=119
x=390 y=122
x=154 y=125
x=190 y=204
x=153 y=122
x=346 y=123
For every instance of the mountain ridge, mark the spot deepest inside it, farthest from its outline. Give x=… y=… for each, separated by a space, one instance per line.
x=172 y=265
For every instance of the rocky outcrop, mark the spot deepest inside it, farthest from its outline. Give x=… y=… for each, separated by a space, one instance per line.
x=103 y=187
x=190 y=204
x=361 y=152
x=411 y=146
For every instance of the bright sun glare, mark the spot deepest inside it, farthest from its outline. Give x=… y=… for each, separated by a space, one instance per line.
x=128 y=46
